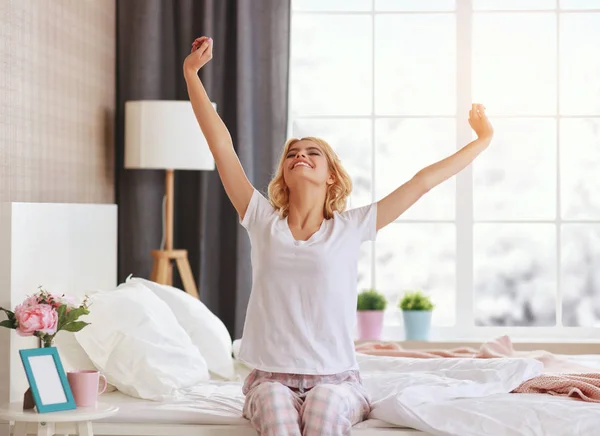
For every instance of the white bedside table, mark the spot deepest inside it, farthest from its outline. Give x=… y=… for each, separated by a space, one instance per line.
x=69 y=422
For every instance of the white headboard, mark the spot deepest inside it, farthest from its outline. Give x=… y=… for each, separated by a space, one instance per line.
x=67 y=248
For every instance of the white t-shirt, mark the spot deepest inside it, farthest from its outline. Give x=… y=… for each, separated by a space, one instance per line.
x=302 y=310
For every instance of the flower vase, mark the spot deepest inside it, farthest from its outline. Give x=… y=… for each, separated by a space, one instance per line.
x=47 y=343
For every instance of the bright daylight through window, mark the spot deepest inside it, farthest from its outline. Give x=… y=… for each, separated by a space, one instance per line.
x=512 y=244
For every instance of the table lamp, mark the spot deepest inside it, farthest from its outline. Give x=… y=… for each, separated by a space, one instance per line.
x=164 y=134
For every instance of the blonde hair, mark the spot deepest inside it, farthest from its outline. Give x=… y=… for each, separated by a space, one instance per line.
x=337 y=193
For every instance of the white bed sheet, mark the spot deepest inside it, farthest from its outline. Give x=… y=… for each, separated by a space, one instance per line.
x=491 y=411
x=210 y=403
x=214 y=402
x=220 y=403
x=514 y=415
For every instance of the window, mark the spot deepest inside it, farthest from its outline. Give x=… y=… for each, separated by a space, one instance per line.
x=512 y=244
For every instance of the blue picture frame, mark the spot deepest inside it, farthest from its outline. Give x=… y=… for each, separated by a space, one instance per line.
x=47 y=379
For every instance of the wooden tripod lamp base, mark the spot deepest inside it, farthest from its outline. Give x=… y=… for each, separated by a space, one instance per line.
x=162 y=269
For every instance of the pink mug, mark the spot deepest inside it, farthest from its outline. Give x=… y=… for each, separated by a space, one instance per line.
x=84 y=385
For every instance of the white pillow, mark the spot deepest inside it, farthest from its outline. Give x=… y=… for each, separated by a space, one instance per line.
x=135 y=340
x=73 y=356
x=207 y=331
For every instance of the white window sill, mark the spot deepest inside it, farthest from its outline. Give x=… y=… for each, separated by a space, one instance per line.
x=558 y=340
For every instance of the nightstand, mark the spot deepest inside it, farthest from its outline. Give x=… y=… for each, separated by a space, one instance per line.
x=74 y=422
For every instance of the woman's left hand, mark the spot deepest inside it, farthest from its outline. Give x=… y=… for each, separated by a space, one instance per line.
x=479 y=122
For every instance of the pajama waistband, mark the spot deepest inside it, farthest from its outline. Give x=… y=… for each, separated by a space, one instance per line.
x=301 y=382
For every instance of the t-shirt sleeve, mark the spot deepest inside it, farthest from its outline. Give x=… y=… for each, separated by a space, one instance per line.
x=364 y=220
x=259 y=209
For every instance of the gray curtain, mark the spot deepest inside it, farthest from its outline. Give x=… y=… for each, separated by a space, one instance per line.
x=247 y=79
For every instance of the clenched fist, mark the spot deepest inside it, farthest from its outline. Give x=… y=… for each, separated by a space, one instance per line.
x=200 y=55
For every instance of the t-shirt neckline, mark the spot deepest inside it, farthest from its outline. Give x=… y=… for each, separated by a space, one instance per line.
x=312 y=238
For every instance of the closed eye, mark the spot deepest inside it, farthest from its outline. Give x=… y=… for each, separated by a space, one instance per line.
x=313 y=151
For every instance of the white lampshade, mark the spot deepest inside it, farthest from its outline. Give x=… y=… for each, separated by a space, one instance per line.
x=164 y=134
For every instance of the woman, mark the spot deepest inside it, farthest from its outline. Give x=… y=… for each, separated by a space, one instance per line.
x=298 y=334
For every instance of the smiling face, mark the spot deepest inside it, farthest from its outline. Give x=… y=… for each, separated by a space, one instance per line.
x=310 y=161
x=305 y=161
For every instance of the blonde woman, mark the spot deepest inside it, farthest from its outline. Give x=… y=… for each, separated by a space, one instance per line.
x=298 y=334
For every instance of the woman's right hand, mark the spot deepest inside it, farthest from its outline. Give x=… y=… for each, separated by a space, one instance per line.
x=201 y=54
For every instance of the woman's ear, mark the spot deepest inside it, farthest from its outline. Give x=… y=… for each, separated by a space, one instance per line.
x=330 y=179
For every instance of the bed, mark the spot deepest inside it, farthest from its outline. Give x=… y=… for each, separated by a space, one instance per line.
x=73 y=248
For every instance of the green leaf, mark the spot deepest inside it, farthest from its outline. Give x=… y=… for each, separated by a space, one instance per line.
x=416 y=300
x=61 y=315
x=9 y=314
x=74 y=314
x=75 y=326
x=370 y=299
x=7 y=323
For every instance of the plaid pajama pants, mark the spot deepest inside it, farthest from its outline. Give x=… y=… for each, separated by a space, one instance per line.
x=304 y=405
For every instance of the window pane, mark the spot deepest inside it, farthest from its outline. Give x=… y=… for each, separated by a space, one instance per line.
x=515 y=274
x=332 y=5
x=580 y=4
x=515 y=178
x=404 y=146
x=415 y=64
x=330 y=72
x=514 y=72
x=514 y=5
x=414 y=5
x=351 y=140
x=580 y=64
x=580 y=167
x=423 y=256
x=580 y=281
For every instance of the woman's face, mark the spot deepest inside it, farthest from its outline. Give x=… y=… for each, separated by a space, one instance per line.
x=305 y=162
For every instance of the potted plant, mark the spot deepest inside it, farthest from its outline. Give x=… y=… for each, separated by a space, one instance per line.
x=370 y=309
x=416 y=313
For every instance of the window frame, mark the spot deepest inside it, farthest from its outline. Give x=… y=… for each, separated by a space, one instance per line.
x=464 y=328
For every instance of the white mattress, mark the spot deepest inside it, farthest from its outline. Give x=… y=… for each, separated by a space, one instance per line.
x=221 y=403
x=214 y=402
x=211 y=403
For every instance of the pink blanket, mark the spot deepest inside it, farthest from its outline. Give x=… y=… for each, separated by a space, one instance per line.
x=561 y=377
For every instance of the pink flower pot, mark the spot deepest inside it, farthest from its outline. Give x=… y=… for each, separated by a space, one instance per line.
x=370 y=324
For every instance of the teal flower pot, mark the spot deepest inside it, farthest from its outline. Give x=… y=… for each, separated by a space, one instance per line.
x=416 y=324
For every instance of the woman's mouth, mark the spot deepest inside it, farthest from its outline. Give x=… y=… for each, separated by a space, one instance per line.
x=301 y=164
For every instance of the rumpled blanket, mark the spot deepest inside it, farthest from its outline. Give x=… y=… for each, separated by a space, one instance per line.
x=586 y=387
x=561 y=377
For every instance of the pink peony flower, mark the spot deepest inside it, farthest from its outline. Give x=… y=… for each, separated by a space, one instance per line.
x=36 y=318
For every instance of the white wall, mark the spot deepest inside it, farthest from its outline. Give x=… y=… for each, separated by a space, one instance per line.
x=67 y=248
